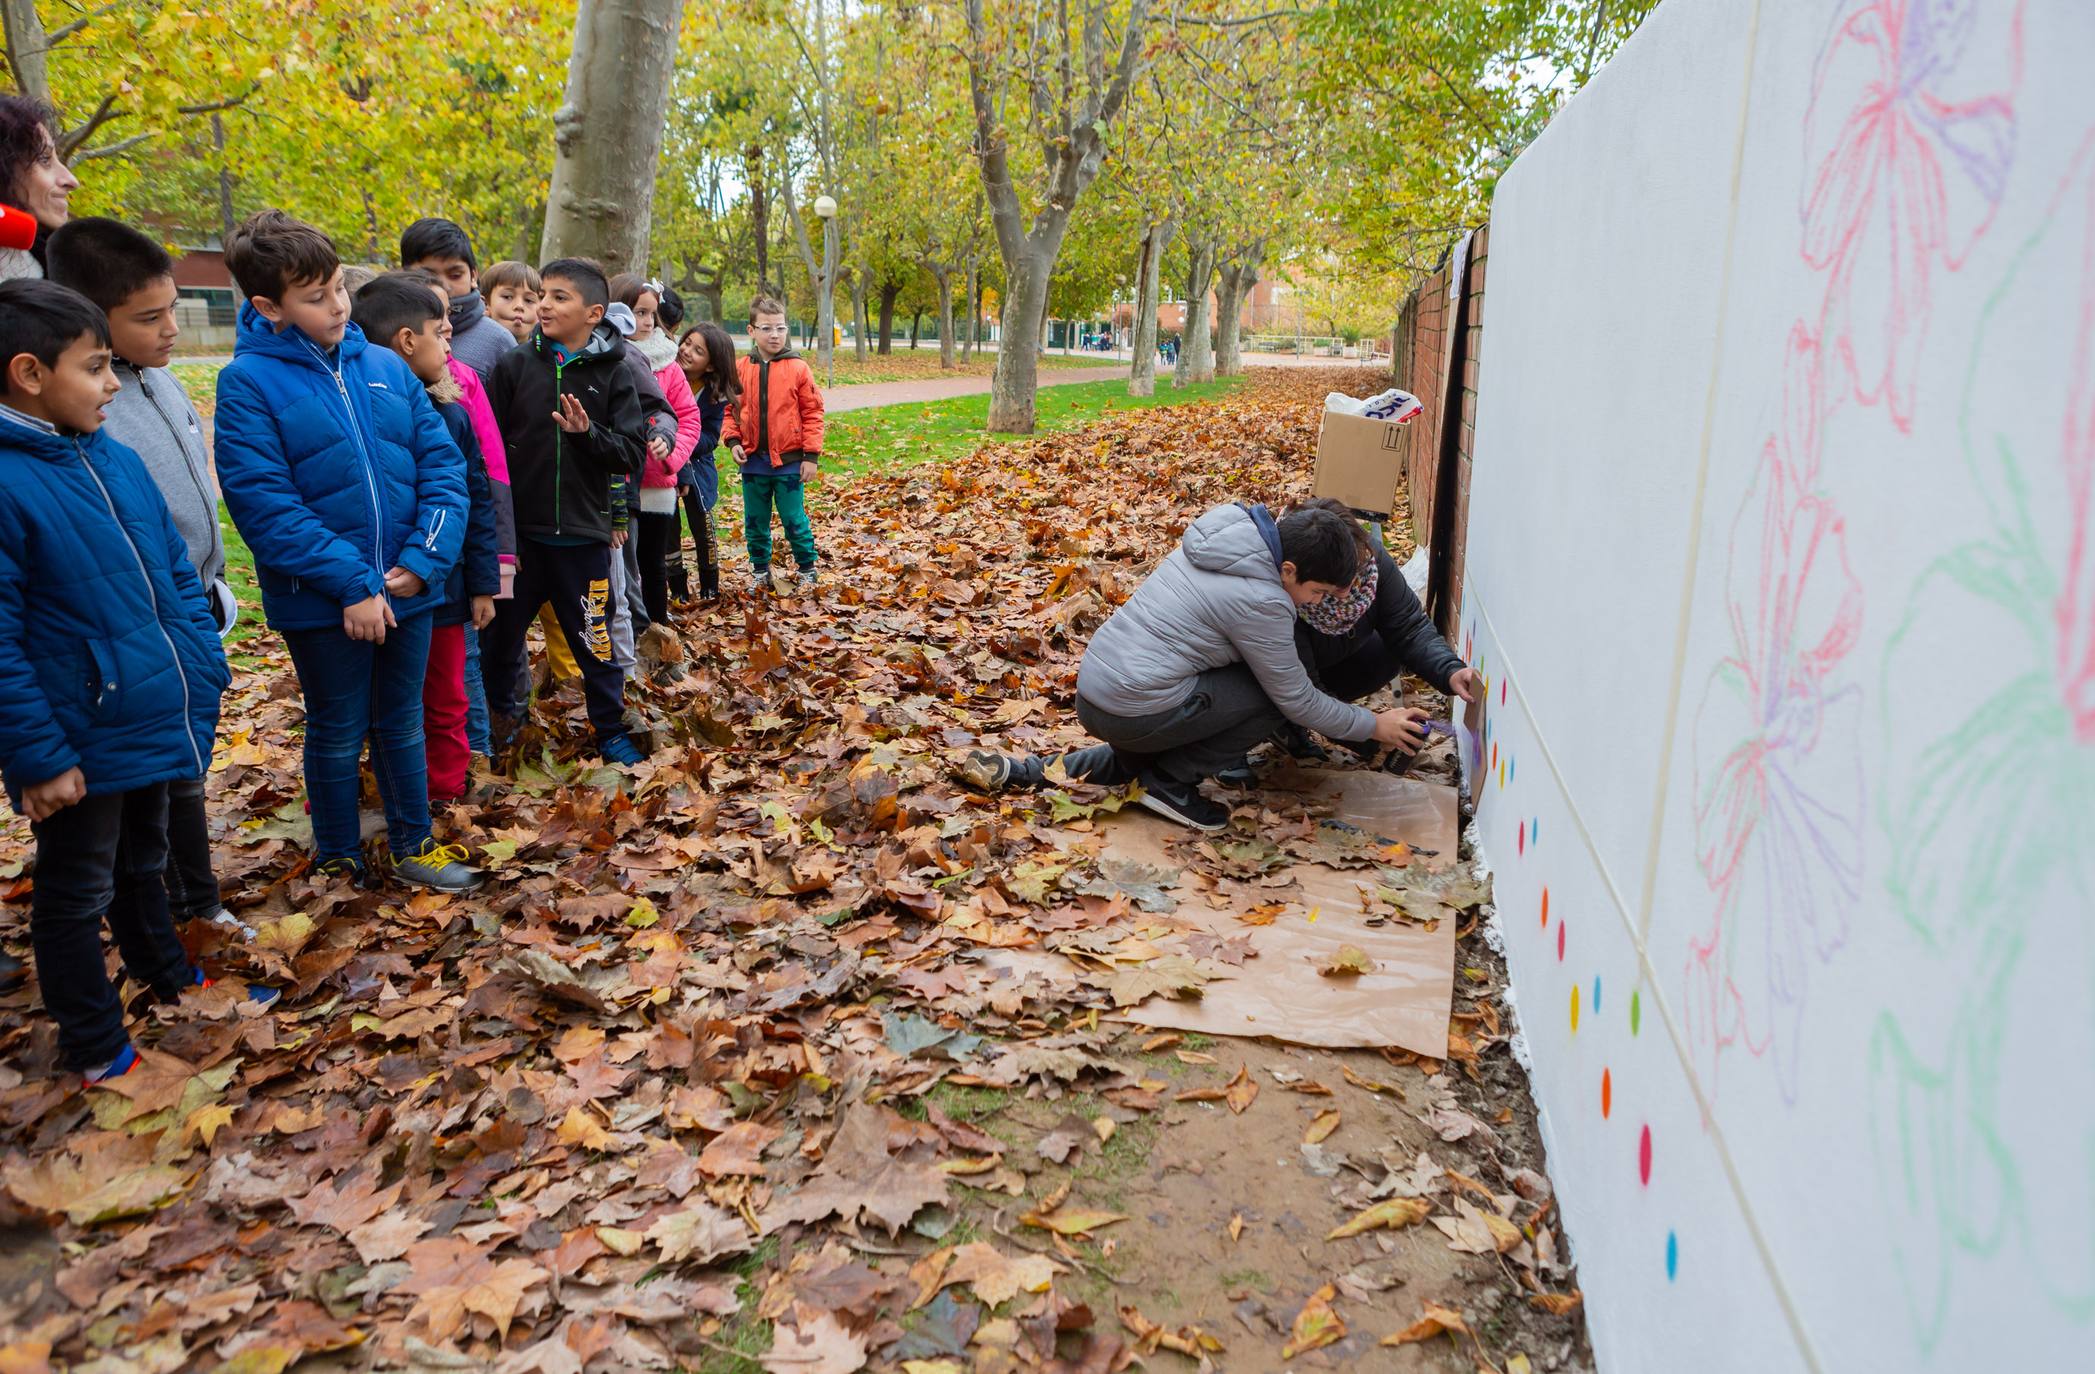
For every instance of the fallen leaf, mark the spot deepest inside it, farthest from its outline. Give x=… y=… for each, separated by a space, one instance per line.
x=1316 y=1325
x=1434 y=1321
x=997 y=1278
x=1390 y=1214
x=1072 y=1221
x=1557 y=1304
x=1321 y=1128
x=699 y=1234
x=1242 y=1091
x=1350 y=961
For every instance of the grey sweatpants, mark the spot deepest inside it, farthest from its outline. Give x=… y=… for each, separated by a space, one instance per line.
x=1227 y=715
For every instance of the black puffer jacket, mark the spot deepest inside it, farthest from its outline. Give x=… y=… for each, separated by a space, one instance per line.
x=562 y=484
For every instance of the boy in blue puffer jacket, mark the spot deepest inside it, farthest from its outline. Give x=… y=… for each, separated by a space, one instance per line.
x=110 y=671
x=349 y=491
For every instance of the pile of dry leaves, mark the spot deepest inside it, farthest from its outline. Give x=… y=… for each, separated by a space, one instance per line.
x=662 y=1087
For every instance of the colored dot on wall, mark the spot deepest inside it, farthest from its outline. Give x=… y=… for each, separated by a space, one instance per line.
x=1534 y=829
x=1509 y=767
x=1545 y=908
x=1520 y=840
x=1596 y=994
x=1560 y=942
x=1574 y=1008
x=1607 y=1093
x=1636 y=1009
x=1502 y=777
x=1502 y=693
x=1672 y=1255
x=1494 y=754
x=1644 y=1156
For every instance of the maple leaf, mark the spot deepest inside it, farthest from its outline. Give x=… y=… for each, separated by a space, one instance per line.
x=997 y=1278
x=738 y=1150
x=1173 y=975
x=386 y=1237
x=859 y=1177
x=700 y=1234
x=453 y=1280
x=816 y=1344
x=344 y=1203
x=102 y=1185
x=1349 y=961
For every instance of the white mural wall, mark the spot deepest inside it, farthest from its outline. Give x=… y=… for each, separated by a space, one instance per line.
x=1782 y=573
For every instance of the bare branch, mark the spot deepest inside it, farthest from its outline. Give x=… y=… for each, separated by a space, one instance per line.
x=53 y=37
x=116 y=149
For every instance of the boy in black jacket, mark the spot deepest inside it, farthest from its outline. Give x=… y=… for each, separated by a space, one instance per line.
x=572 y=422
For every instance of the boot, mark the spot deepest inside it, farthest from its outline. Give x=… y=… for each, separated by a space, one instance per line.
x=709 y=581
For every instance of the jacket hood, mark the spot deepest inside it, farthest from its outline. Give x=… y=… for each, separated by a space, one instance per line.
x=1236 y=540
x=467 y=311
x=258 y=335
x=604 y=342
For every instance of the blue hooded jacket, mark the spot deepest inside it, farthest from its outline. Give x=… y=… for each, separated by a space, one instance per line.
x=336 y=468
x=109 y=658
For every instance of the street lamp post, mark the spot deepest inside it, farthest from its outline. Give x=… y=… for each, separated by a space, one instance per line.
x=826 y=306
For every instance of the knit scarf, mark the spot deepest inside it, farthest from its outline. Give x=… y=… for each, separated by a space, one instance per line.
x=658 y=348
x=1335 y=615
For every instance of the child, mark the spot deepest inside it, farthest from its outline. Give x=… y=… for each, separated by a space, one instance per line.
x=110 y=671
x=405 y=311
x=346 y=485
x=657 y=515
x=441 y=249
x=132 y=279
x=774 y=430
x=511 y=290
x=707 y=359
x=571 y=418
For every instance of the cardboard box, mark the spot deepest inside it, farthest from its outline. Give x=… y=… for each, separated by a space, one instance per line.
x=1361 y=462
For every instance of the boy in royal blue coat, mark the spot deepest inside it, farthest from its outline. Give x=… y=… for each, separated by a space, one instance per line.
x=110 y=671
x=351 y=494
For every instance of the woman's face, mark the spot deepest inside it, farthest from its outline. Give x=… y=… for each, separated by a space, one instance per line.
x=691 y=355
x=46 y=185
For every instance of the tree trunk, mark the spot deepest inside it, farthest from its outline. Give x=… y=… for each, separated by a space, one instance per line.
x=225 y=178
x=858 y=315
x=1011 y=389
x=916 y=324
x=888 y=292
x=1196 y=353
x=945 y=318
x=27 y=48
x=1238 y=279
x=759 y=212
x=1148 y=279
x=974 y=314
x=607 y=134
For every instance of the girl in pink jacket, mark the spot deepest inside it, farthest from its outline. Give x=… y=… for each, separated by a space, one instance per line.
x=657 y=518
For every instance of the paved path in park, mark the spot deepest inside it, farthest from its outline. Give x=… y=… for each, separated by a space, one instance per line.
x=866 y=395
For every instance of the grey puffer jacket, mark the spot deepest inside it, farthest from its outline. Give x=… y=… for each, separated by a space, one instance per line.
x=153 y=417
x=1215 y=600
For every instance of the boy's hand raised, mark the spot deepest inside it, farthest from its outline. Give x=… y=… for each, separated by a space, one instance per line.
x=1465 y=685
x=367 y=620
x=1401 y=728
x=571 y=417
x=48 y=798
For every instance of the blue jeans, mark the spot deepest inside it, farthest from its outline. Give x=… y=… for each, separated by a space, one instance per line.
x=476 y=697
x=102 y=858
x=355 y=690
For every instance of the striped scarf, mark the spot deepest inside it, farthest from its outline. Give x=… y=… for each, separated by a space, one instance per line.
x=1335 y=615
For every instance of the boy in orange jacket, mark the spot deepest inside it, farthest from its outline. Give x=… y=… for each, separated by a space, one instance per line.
x=774 y=429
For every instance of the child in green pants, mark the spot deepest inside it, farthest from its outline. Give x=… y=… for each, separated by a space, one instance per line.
x=774 y=430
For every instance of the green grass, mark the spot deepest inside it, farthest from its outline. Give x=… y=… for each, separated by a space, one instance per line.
x=888 y=437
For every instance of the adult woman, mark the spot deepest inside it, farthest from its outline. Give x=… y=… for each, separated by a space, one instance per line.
x=32 y=179
x=1360 y=640
x=707 y=358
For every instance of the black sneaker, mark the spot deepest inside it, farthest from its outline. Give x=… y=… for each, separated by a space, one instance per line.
x=1243 y=775
x=355 y=870
x=13 y=973
x=986 y=770
x=1181 y=802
